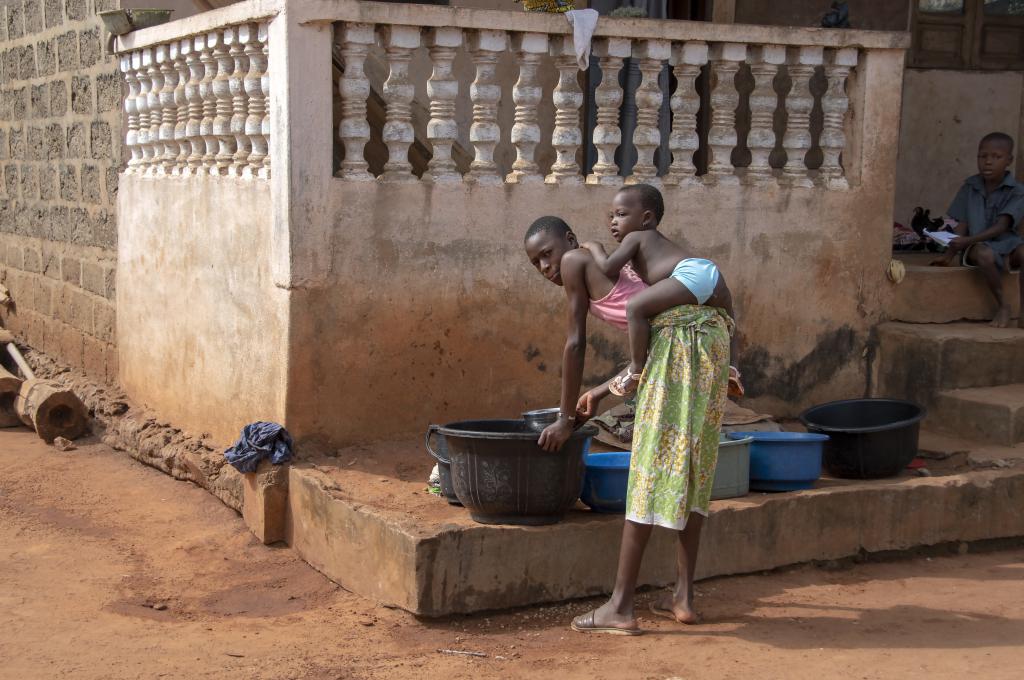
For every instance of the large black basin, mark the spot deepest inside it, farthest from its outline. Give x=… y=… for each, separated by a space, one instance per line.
x=868 y=438
x=503 y=477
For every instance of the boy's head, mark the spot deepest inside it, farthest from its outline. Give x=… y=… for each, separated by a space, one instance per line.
x=634 y=208
x=995 y=153
x=546 y=241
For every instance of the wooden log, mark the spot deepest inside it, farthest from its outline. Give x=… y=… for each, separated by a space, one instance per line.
x=9 y=387
x=51 y=410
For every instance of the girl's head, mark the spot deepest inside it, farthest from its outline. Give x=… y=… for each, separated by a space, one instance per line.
x=546 y=241
x=635 y=207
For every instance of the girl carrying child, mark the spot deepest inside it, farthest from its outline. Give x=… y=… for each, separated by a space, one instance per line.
x=681 y=394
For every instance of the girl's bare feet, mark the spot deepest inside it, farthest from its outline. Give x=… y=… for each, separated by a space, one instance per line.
x=1002 y=317
x=669 y=607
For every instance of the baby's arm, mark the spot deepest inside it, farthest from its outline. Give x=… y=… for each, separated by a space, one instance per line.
x=610 y=265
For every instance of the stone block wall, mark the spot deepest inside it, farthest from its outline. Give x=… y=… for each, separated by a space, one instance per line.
x=60 y=153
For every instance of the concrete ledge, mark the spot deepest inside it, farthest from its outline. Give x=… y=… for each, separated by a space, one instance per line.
x=992 y=415
x=917 y=361
x=453 y=565
x=945 y=294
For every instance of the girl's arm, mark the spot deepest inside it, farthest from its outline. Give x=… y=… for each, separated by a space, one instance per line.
x=610 y=265
x=574 y=354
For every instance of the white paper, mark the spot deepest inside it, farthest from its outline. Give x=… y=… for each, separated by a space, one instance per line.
x=940 y=237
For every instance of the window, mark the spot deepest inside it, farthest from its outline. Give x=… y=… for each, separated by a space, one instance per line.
x=968 y=34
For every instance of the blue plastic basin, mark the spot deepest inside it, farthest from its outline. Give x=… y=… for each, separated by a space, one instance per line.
x=604 y=481
x=783 y=461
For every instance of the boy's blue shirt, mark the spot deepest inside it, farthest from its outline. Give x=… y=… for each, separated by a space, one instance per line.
x=980 y=210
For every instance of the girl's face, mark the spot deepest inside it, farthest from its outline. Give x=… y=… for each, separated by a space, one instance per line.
x=545 y=251
x=627 y=215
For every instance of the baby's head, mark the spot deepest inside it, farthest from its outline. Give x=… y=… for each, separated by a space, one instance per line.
x=995 y=153
x=546 y=241
x=635 y=207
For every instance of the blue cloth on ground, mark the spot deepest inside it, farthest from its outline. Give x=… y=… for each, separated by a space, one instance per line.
x=260 y=440
x=700 y=277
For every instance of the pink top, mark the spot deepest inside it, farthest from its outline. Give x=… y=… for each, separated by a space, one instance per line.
x=612 y=307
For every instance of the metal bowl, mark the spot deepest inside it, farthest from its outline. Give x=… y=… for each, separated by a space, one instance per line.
x=541 y=418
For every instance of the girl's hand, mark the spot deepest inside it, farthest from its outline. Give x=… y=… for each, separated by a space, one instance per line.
x=554 y=436
x=592 y=246
x=586 y=407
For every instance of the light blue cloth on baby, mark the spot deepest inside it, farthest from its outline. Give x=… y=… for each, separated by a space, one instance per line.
x=700 y=277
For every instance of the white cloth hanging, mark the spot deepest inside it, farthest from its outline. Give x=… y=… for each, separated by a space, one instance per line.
x=584 y=23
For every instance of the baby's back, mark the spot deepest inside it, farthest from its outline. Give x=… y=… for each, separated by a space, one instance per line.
x=657 y=255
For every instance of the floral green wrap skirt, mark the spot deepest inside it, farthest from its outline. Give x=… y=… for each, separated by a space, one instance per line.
x=679 y=409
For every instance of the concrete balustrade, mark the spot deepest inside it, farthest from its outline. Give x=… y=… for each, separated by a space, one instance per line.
x=198 y=104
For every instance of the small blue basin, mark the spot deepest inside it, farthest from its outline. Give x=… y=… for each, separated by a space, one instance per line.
x=605 y=480
x=783 y=461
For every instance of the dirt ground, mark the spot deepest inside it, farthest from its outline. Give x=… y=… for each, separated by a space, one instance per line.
x=109 y=569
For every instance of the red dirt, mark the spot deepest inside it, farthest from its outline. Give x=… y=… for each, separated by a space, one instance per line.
x=93 y=546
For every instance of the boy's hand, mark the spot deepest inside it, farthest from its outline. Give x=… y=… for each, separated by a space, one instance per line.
x=959 y=243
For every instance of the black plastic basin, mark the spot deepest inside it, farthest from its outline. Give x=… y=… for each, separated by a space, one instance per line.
x=868 y=438
x=502 y=476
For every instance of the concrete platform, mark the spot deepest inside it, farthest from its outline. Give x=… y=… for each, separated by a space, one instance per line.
x=917 y=361
x=386 y=539
x=986 y=414
x=944 y=294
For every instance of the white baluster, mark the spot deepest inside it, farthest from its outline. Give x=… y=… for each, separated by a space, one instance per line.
x=181 y=54
x=443 y=90
x=683 y=141
x=799 y=102
x=249 y=35
x=196 y=144
x=156 y=80
x=354 y=87
x=209 y=161
x=129 y=66
x=566 y=136
x=264 y=36
x=526 y=94
x=764 y=66
x=834 y=105
x=722 y=138
x=608 y=99
x=168 y=110
x=239 y=101
x=650 y=55
x=398 y=92
x=485 y=92
x=142 y=104
x=222 y=91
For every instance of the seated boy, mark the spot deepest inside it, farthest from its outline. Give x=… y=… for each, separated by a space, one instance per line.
x=987 y=209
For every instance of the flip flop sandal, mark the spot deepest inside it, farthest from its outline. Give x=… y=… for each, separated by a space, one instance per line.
x=585 y=624
x=617 y=386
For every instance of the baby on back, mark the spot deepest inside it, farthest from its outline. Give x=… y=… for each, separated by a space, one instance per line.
x=673 y=279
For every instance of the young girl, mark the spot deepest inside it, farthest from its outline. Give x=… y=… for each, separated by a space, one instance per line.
x=679 y=406
x=554 y=251
x=674 y=278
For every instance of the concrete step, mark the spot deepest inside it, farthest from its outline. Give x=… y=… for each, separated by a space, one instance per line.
x=944 y=294
x=917 y=361
x=993 y=415
x=432 y=560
